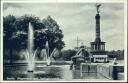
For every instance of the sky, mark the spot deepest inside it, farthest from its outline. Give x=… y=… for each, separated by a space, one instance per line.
x=78 y=20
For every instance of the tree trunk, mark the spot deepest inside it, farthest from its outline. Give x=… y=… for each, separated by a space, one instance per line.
x=11 y=56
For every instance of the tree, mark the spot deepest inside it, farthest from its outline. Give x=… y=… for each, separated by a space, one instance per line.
x=54 y=34
x=16 y=33
x=119 y=54
x=22 y=25
x=8 y=31
x=68 y=54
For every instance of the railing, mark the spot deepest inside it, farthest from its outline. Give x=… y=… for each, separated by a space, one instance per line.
x=106 y=70
x=88 y=68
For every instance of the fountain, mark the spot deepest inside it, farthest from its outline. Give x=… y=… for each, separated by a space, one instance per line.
x=46 y=70
x=45 y=52
x=30 y=53
x=30 y=56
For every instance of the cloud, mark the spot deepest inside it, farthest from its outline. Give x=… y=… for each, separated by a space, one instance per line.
x=78 y=20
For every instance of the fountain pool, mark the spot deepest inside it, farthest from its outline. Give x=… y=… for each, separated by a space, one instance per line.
x=46 y=73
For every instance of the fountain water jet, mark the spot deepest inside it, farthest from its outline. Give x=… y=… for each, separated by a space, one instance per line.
x=47 y=56
x=30 y=57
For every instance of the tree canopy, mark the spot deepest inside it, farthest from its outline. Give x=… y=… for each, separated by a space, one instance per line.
x=68 y=54
x=15 y=32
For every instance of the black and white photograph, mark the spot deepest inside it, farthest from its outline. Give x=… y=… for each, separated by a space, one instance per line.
x=61 y=41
